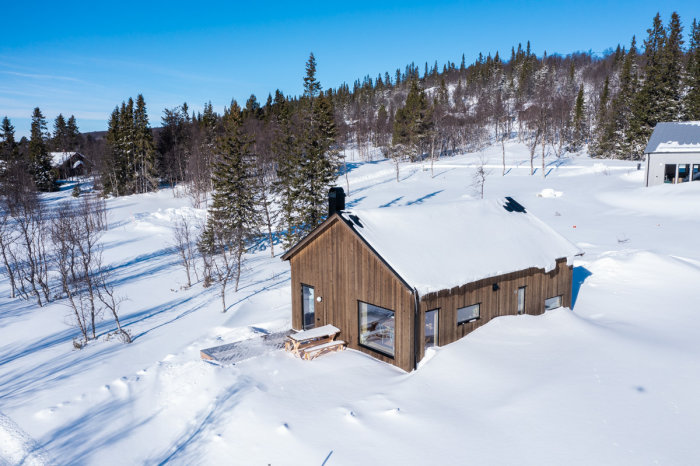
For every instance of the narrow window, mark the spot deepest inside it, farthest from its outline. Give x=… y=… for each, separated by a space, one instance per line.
x=468 y=314
x=521 y=300
x=552 y=303
x=307 y=306
x=683 y=173
x=696 y=172
x=431 y=328
x=376 y=328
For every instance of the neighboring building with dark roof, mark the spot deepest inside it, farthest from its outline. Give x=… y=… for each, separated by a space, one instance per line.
x=673 y=153
x=398 y=280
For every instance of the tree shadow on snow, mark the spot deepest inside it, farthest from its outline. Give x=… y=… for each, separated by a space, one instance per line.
x=427 y=196
x=580 y=276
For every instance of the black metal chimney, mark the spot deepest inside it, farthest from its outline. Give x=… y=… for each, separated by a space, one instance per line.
x=336 y=200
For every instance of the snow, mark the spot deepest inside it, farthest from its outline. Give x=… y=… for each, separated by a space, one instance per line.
x=612 y=381
x=675 y=137
x=549 y=193
x=437 y=247
x=58 y=158
x=315 y=333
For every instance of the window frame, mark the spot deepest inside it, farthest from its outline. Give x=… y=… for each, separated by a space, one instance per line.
x=473 y=319
x=303 y=315
x=359 y=330
x=561 y=302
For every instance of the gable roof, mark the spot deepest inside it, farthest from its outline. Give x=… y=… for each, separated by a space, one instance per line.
x=437 y=247
x=675 y=137
x=59 y=158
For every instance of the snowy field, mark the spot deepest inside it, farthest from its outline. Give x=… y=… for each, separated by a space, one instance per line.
x=616 y=380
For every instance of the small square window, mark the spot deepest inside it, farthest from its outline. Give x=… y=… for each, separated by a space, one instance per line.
x=468 y=314
x=552 y=303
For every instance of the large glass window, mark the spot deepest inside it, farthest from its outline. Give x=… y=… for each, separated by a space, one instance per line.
x=683 y=173
x=552 y=303
x=376 y=328
x=696 y=172
x=468 y=314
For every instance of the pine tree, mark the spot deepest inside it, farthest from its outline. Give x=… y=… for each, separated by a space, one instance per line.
x=691 y=100
x=145 y=171
x=39 y=157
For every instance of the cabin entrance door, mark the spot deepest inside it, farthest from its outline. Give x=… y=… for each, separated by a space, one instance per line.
x=431 y=328
x=307 y=306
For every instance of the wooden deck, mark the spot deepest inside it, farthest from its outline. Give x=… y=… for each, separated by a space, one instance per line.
x=232 y=353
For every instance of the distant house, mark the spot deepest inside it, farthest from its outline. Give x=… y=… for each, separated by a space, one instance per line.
x=397 y=281
x=69 y=164
x=673 y=153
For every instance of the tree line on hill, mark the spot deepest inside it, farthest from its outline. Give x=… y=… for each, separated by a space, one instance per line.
x=266 y=167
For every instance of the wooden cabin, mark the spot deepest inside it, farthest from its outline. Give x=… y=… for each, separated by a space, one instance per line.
x=70 y=164
x=399 y=280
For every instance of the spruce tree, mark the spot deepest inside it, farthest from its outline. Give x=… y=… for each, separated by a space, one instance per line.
x=691 y=100
x=73 y=134
x=39 y=157
x=615 y=131
x=8 y=149
x=114 y=176
x=233 y=216
x=413 y=122
x=285 y=146
x=600 y=142
x=145 y=171
x=60 y=134
x=655 y=101
x=578 y=123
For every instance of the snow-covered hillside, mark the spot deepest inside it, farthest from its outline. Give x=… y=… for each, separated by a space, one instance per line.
x=613 y=381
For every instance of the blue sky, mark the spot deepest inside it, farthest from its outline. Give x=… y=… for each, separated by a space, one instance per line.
x=84 y=58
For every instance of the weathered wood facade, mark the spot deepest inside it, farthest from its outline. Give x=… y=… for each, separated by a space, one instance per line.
x=538 y=284
x=343 y=269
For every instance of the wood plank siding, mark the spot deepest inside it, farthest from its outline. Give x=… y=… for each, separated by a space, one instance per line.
x=344 y=270
x=538 y=287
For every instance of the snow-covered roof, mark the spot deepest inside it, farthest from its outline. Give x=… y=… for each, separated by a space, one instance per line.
x=437 y=247
x=675 y=137
x=58 y=158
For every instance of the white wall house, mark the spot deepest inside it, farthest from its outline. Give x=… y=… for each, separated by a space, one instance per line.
x=673 y=153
